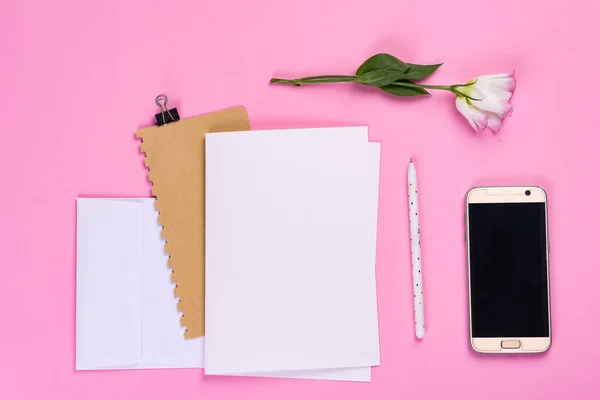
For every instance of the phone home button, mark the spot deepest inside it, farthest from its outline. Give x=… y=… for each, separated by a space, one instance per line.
x=510 y=344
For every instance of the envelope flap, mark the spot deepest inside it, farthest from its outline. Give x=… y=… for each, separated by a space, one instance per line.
x=109 y=304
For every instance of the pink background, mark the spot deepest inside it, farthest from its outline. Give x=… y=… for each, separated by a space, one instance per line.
x=77 y=79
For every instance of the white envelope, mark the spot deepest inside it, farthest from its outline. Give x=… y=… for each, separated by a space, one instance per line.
x=127 y=315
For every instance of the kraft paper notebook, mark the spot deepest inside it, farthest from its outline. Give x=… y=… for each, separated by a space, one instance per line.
x=175 y=159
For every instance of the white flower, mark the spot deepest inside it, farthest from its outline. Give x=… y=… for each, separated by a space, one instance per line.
x=485 y=101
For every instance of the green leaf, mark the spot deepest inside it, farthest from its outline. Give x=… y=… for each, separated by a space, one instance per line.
x=380 y=77
x=381 y=61
x=405 y=91
x=416 y=71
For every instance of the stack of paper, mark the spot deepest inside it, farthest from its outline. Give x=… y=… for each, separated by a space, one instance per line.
x=127 y=316
x=291 y=221
x=290 y=238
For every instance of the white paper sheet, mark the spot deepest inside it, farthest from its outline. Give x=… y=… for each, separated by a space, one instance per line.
x=126 y=312
x=291 y=220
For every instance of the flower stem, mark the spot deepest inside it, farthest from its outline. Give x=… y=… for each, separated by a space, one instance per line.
x=311 y=80
x=315 y=79
x=416 y=85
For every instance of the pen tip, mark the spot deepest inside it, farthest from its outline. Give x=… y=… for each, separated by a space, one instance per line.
x=411 y=159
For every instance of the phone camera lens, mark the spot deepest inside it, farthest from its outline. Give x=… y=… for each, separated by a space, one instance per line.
x=527 y=192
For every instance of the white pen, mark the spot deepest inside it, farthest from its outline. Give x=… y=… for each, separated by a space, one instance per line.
x=415 y=250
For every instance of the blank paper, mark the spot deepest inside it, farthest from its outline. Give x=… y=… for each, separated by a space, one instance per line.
x=291 y=220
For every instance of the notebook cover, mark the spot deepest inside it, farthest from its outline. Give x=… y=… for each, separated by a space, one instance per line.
x=175 y=161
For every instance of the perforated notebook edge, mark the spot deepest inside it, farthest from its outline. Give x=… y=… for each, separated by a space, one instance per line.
x=180 y=307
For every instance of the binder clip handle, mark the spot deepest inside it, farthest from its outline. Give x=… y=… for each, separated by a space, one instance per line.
x=165 y=115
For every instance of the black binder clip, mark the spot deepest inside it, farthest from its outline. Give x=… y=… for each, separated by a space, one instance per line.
x=165 y=115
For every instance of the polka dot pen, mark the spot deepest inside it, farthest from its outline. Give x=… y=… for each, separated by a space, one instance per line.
x=415 y=250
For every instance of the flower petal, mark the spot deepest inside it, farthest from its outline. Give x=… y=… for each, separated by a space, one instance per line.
x=495 y=90
x=494 y=122
x=490 y=102
x=499 y=83
x=475 y=116
x=501 y=75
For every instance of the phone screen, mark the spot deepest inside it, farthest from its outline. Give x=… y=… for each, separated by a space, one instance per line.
x=508 y=270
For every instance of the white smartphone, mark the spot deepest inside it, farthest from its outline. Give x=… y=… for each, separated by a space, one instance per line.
x=508 y=269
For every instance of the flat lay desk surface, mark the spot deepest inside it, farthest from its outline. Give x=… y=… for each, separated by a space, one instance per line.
x=78 y=79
